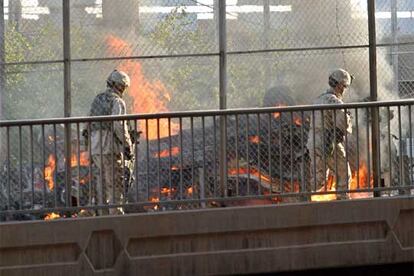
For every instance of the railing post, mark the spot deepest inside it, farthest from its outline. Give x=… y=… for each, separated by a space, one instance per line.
x=67 y=97
x=394 y=48
x=223 y=89
x=266 y=28
x=375 y=136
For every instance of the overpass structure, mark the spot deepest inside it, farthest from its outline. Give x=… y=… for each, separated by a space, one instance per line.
x=193 y=209
x=225 y=191
x=224 y=241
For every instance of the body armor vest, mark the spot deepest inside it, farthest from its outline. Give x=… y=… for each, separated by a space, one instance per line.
x=102 y=106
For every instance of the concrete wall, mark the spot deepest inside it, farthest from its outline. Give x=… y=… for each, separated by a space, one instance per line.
x=215 y=241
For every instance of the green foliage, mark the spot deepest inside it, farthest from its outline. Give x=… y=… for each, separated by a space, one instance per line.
x=174 y=33
x=192 y=81
x=36 y=90
x=32 y=90
x=16 y=47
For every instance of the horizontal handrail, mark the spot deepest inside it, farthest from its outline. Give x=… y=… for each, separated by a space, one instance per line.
x=207 y=113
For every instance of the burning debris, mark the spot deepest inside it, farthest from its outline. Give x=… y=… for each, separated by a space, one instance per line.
x=174 y=151
x=147 y=96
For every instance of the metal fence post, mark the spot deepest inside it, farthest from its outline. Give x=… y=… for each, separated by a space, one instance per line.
x=67 y=97
x=223 y=89
x=394 y=48
x=2 y=75
x=2 y=57
x=375 y=136
x=266 y=28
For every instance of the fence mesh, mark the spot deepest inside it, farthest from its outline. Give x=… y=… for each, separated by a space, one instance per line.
x=176 y=162
x=280 y=52
x=34 y=33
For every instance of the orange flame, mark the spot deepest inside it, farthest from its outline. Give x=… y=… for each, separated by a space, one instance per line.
x=364 y=183
x=276 y=115
x=148 y=96
x=330 y=187
x=83 y=159
x=84 y=180
x=52 y=216
x=49 y=171
x=190 y=190
x=266 y=180
x=297 y=121
x=50 y=168
x=154 y=207
x=166 y=153
x=253 y=172
x=167 y=191
x=254 y=139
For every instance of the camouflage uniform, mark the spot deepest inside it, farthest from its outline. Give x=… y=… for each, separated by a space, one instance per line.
x=108 y=144
x=326 y=148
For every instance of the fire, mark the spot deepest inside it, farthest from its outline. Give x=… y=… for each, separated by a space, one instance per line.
x=167 y=191
x=364 y=183
x=84 y=180
x=84 y=159
x=148 y=96
x=254 y=139
x=331 y=187
x=154 y=199
x=153 y=207
x=51 y=216
x=273 y=185
x=166 y=153
x=276 y=115
x=297 y=121
x=252 y=172
x=190 y=190
x=49 y=171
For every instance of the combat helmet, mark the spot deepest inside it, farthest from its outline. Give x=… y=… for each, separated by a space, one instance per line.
x=118 y=80
x=340 y=76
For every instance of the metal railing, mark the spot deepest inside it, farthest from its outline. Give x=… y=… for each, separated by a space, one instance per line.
x=271 y=157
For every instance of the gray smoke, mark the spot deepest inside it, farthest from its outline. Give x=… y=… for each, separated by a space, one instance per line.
x=322 y=23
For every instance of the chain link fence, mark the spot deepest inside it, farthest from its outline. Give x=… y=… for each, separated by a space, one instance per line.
x=269 y=43
x=278 y=53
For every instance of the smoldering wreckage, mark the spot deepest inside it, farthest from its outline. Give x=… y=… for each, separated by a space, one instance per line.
x=266 y=155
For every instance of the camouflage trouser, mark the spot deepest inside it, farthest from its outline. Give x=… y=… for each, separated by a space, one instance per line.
x=110 y=178
x=331 y=163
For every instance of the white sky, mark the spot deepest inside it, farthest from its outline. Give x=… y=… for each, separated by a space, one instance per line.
x=31 y=9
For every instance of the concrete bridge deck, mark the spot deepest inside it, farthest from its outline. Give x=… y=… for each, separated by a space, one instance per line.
x=244 y=240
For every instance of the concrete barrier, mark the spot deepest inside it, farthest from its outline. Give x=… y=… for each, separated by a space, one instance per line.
x=255 y=239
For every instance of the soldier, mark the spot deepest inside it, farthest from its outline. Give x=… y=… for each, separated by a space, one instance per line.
x=111 y=142
x=326 y=147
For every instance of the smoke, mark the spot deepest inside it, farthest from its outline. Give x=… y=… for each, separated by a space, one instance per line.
x=323 y=23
